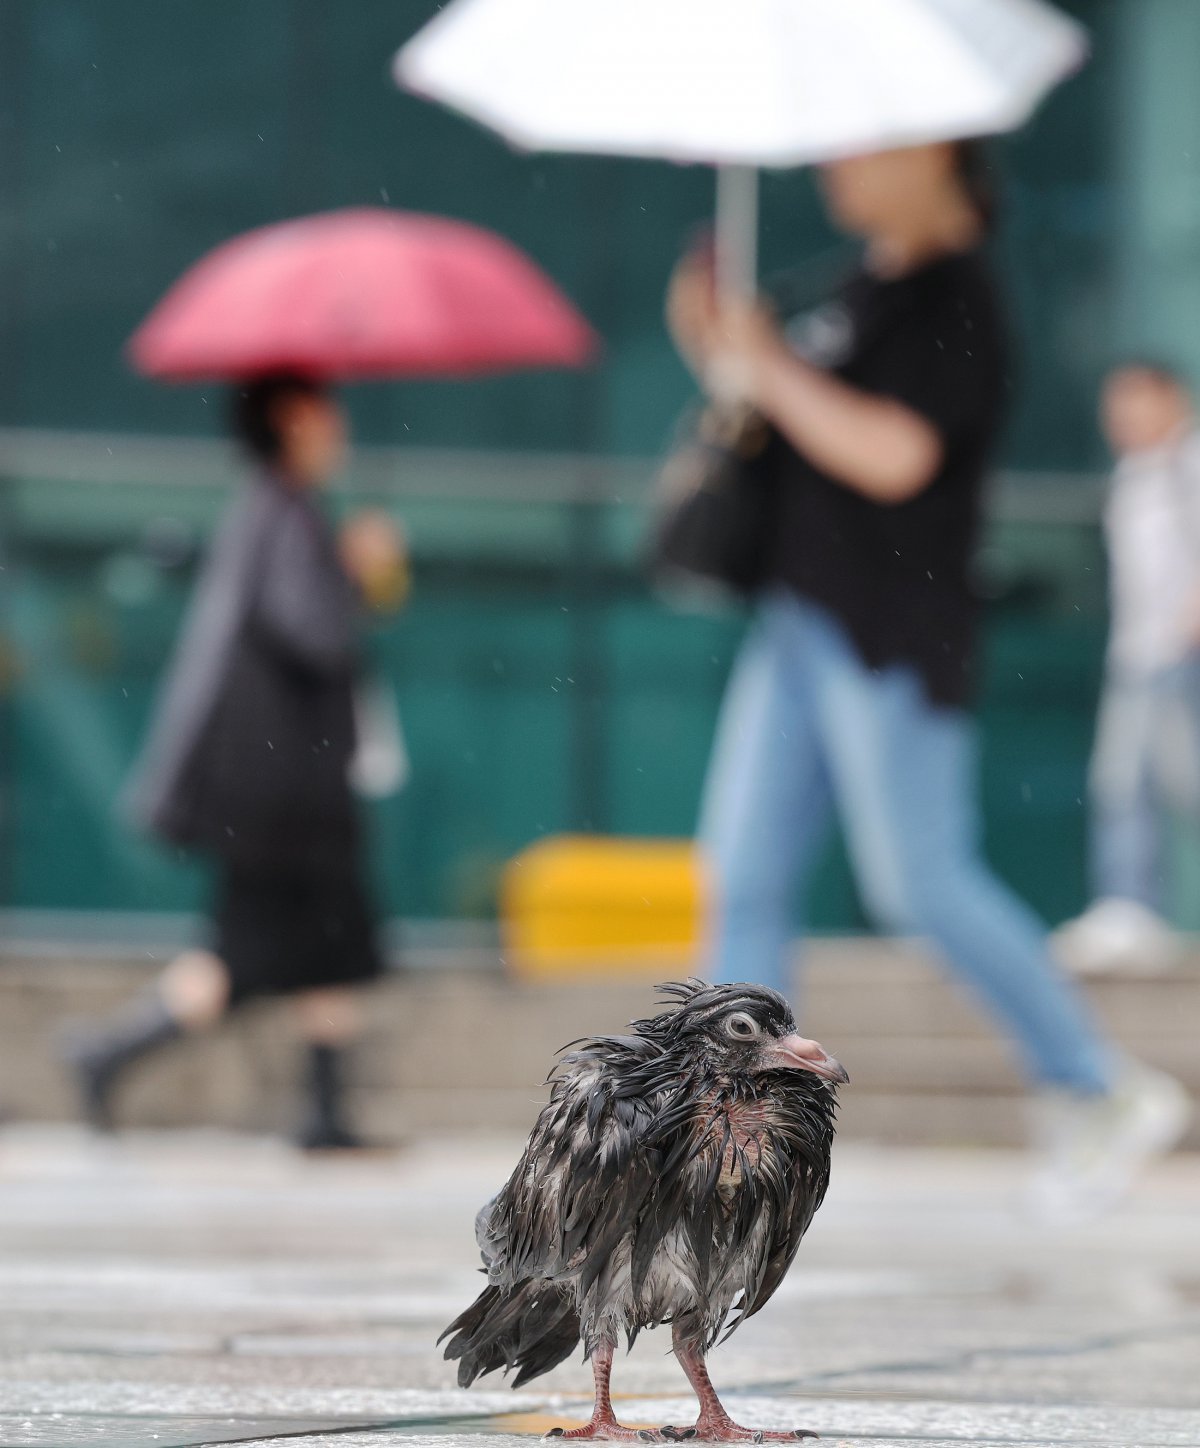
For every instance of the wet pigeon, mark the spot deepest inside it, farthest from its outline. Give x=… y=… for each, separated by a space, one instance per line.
x=670 y=1178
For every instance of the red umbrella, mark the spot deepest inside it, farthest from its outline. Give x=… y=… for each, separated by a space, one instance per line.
x=361 y=293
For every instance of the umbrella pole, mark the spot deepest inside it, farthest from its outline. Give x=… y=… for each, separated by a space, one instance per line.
x=737 y=231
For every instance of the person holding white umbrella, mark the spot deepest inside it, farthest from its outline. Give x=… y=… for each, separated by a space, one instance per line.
x=883 y=406
x=851 y=691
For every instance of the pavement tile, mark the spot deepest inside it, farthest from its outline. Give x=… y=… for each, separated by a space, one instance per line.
x=178 y=1290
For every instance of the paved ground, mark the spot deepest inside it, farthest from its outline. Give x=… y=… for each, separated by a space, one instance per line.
x=180 y=1290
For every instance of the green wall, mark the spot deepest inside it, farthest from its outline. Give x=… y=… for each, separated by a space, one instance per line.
x=135 y=134
x=542 y=687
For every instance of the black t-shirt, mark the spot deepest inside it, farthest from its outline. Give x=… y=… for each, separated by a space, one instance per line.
x=898 y=575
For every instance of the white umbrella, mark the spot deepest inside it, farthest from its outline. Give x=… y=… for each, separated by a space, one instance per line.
x=741 y=83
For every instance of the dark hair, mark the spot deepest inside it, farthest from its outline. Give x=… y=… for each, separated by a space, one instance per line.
x=253 y=405
x=973 y=164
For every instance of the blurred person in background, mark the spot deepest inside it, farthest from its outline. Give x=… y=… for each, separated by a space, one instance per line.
x=851 y=689
x=1146 y=760
x=248 y=762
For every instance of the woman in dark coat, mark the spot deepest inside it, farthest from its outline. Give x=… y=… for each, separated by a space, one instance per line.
x=248 y=761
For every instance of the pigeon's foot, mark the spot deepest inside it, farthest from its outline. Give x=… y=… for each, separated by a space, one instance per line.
x=722 y=1429
x=603 y=1426
x=607 y=1430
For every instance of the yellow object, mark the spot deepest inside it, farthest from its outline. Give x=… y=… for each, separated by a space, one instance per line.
x=576 y=905
x=386 y=584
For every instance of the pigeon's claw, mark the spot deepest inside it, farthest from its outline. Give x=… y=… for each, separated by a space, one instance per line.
x=607 y=1431
x=725 y=1430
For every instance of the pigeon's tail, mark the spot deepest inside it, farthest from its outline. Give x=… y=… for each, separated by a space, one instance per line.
x=528 y=1328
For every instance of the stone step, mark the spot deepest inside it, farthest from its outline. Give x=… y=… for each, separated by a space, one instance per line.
x=458 y=1048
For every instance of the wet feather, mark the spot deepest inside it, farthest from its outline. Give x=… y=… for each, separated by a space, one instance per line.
x=666 y=1180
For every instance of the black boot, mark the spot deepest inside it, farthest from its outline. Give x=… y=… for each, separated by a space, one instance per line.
x=97 y=1056
x=324 y=1126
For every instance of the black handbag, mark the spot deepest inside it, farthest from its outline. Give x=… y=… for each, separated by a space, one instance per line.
x=716 y=515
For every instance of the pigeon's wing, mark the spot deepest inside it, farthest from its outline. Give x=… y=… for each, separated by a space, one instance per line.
x=808 y=1182
x=583 y=1179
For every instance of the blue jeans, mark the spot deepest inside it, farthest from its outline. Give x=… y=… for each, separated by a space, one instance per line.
x=1145 y=765
x=807 y=727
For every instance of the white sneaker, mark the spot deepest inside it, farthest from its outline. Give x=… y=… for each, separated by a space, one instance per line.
x=1095 y=1147
x=1114 y=935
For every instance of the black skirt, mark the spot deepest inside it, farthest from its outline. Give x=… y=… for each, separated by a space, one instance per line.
x=284 y=931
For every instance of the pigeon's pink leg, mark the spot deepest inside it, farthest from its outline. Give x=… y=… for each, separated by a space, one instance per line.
x=714 y=1425
x=604 y=1425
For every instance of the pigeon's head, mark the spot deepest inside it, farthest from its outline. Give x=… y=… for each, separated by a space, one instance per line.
x=747 y=1028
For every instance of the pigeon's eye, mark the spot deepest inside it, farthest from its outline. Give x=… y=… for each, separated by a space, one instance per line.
x=741 y=1027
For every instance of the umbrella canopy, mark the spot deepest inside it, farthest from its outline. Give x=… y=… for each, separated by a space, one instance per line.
x=359 y=294
x=741 y=83
x=757 y=82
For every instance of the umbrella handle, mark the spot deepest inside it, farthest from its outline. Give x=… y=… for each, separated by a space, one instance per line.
x=737 y=231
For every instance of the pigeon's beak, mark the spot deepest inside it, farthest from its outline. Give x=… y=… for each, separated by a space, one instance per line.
x=798 y=1053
